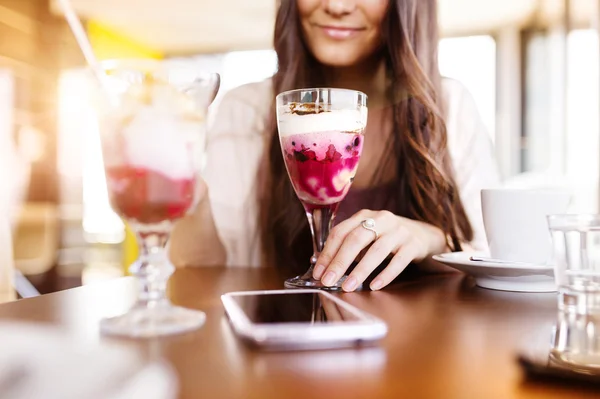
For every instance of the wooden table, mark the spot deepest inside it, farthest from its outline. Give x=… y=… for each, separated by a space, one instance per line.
x=447 y=339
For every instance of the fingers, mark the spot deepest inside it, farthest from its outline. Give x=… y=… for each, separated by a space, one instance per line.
x=378 y=252
x=336 y=238
x=399 y=262
x=355 y=242
x=349 y=240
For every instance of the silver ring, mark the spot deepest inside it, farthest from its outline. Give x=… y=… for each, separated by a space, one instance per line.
x=369 y=224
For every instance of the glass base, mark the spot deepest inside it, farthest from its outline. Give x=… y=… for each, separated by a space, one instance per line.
x=309 y=282
x=144 y=321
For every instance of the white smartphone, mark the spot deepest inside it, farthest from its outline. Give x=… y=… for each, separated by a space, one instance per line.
x=299 y=319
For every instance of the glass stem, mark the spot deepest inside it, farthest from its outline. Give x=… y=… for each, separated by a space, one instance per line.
x=152 y=269
x=320 y=221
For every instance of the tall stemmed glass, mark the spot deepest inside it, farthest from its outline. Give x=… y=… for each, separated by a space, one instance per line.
x=321 y=132
x=152 y=132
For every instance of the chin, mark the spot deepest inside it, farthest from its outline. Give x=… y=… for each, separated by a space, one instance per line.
x=337 y=56
x=337 y=61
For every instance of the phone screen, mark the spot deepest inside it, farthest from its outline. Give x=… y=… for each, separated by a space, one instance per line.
x=298 y=307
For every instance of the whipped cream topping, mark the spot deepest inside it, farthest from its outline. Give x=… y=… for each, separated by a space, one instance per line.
x=158 y=128
x=162 y=141
x=344 y=120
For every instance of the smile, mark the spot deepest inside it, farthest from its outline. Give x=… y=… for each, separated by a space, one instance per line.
x=339 y=32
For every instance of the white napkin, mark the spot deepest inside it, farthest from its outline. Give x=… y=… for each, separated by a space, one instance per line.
x=42 y=362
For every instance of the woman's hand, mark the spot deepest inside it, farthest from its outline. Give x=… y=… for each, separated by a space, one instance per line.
x=407 y=240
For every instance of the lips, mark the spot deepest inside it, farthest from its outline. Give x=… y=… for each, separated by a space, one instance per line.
x=339 y=32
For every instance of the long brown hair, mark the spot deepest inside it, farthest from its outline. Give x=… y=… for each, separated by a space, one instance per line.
x=425 y=184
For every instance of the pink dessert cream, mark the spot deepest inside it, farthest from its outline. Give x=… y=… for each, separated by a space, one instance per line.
x=147 y=196
x=322 y=151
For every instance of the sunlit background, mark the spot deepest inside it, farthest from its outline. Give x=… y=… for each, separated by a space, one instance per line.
x=532 y=67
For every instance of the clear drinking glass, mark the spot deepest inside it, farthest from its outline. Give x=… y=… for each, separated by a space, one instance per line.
x=576 y=343
x=321 y=132
x=152 y=131
x=576 y=240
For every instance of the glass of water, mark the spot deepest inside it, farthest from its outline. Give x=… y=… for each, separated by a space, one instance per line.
x=576 y=240
x=576 y=343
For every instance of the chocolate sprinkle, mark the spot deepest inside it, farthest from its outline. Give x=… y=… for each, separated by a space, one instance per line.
x=307 y=108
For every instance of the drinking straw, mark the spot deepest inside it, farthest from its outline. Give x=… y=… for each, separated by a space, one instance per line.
x=83 y=41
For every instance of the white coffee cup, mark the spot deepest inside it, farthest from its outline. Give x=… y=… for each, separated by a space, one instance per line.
x=515 y=222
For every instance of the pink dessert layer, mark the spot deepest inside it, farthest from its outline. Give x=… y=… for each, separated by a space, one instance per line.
x=147 y=196
x=322 y=165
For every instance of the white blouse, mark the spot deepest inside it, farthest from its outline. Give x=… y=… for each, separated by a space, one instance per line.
x=237 y=140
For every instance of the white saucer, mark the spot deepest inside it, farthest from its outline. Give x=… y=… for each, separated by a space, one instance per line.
x=501 y=276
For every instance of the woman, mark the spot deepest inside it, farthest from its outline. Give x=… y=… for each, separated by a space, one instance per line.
x=425 y=159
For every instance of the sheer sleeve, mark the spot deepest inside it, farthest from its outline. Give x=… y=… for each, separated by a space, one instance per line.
x=234 y=149
x=472 y=153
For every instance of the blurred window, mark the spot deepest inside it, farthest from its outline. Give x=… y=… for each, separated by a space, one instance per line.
x=561 y=113
x=472 y=61
x=583 y=114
